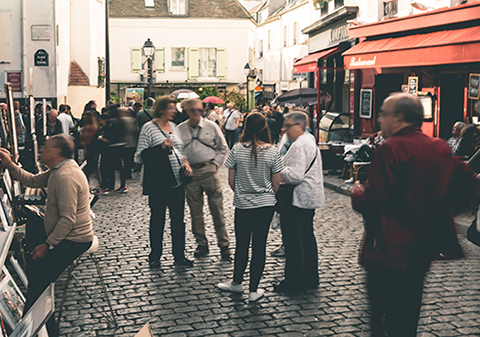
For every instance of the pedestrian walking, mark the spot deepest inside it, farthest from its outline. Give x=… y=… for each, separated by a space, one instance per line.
x=130 y=127
x=254 y=176
x=231 y=118
x=146 y=114
x=302 y=191
x=67 y=121
x=89 y=139
x=414 y=188
x=158 y=140
x=205 y=149
x=272 y=126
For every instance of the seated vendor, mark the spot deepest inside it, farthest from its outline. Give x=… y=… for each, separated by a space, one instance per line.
x=67 y=221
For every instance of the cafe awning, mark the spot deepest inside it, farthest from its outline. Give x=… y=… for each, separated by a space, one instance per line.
x=310 y=63
x=437 y=48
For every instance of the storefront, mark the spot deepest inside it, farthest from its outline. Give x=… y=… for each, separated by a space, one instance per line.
x=327 y=39
x=434 y=55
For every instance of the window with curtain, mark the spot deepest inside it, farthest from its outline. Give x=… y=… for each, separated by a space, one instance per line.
x=178 y=57
x=178 y=7
x=207 y=62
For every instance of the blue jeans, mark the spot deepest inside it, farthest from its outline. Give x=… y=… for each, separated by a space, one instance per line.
x=301 y=253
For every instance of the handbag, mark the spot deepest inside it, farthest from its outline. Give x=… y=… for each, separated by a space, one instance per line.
x=284 y=194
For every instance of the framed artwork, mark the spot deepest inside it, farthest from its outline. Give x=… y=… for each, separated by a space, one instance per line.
x=8 y=183
x=11 y=299
x=7 y=208
x=17 y=188
x=12 y=130
x=366 y=98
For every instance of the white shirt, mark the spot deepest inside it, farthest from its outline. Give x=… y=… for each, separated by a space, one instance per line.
x=308 y=192
x=67 y=123
x=231 y=122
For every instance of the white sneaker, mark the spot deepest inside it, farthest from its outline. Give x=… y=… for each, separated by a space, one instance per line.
x=349 y=181
x=256 y=295
x=228 y=286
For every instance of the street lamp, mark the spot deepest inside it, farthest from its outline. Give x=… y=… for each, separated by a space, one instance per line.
x=246 y=71
x=148 y=51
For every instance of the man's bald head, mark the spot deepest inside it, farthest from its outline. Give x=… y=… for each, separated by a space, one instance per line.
x=230 y=106
x=52 y=115
x=409 y=106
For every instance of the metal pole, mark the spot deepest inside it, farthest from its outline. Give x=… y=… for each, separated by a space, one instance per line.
x=246 y=89
x=107 y=56
x=150 y=75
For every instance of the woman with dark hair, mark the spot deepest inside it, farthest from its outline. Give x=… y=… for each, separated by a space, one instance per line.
x=272 y=126
x=90 y=143
x=469 y=141
x=254 y=176
x=159 y=138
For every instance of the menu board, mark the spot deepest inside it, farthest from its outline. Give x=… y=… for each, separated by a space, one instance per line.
x=413 y=85
x=473 y=86
x=366 y=97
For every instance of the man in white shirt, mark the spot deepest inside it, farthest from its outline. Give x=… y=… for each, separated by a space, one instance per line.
x=231 y=119
x=65 y=119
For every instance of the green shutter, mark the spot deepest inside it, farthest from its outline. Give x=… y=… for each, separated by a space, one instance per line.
x=160 y=60
x=135 y=52
x=192 y=63
x=222 y=63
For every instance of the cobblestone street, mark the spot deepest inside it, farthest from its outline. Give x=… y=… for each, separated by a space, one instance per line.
x=179 y=301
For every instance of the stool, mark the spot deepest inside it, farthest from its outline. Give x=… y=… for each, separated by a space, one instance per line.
x=347 y=169
x=89 y=254
x=357 y=166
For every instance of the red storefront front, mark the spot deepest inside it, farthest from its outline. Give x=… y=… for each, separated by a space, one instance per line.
x=432 y=54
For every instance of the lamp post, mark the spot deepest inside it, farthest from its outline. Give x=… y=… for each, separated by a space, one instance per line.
x=246 y=71
x=148 y=50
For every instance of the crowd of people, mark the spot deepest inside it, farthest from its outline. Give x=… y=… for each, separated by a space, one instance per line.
x=415 y=186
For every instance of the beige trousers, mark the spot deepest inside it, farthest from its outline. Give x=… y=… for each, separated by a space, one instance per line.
x=206 y=179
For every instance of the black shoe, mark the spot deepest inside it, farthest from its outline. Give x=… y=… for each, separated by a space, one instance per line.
x=282 y=287
x=155 y=264
x=225 y=252
x=279 y=252
x=184 y=263
x=201 y=251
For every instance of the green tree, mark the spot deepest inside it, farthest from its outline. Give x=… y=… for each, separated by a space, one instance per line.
x=234 y=97
x=206 y=92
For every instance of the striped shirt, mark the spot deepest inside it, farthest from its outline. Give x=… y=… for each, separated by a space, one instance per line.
x=253 y=185
x=151 y=136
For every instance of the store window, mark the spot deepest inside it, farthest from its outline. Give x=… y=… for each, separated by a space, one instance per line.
x=178 y=57
x=177 y=7
x=207 y=62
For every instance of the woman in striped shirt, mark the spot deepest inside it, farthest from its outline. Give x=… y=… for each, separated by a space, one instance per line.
x=161 y=131
x=254 y=176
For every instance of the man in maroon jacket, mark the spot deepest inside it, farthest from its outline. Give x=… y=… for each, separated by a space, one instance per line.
x=414 y=188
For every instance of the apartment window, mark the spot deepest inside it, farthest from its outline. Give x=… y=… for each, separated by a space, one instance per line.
x=260 y=49
x=338 y=3
x=178 y=57
x=324 y=9
x=149 y=4
x=207 y=62
x=178 y=7
x=285 y=36
x=295 y=33
x=269 y=40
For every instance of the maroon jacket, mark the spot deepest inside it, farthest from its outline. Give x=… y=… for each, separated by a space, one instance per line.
x=414 y=188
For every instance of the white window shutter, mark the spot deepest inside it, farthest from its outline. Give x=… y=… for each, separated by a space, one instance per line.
x=160 y=60
x=136 y=62
x=222 y=63
x=192 y=63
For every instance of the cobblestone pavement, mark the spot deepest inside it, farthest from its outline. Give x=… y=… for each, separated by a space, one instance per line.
x=184 y=301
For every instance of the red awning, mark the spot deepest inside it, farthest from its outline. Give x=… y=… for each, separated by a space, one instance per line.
x=310 y=63
x=437 y=48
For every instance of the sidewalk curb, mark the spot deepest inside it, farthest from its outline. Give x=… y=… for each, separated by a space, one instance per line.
x=336 y=188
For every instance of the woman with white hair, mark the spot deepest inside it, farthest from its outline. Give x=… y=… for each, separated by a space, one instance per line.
x=303 y=174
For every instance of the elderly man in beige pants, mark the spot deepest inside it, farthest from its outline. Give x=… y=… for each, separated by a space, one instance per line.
x=206 y=149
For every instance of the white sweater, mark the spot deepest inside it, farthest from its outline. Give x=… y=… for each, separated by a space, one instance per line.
x=308 y=192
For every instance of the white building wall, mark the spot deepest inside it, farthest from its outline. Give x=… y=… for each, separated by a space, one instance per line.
x=62 y=43
x=234 y=35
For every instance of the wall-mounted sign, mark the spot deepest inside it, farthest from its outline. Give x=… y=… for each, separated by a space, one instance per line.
x=269 y=91
x=41 y=58
x=366 y=98
x=474 y=86
x=413 y=85
x=135 y=94
x=15 y=78
x=40 y=32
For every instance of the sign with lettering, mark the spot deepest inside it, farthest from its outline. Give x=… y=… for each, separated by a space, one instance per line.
x=413 y=85
x=366 y=98
x=40 y=32
x=41 y=58
x=15 y=78
x=474 y=86
x=358 y=63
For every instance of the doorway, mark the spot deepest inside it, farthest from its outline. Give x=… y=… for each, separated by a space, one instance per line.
x=385 y=84
x=451 y=103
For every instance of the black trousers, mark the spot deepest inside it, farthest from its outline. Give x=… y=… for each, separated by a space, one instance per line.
x=91 y=157
x=45 y=271
x=251 y=224
x=301 y=252
x=174 y=199
x=112 y=161
x=127 y=157
x=395 y=300
x=230 y=138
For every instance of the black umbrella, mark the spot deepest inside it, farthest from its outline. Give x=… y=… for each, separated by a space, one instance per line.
x=301 y=97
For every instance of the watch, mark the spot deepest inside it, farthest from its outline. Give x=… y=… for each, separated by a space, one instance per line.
x=50 y=247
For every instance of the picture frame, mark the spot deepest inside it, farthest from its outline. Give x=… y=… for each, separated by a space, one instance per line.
x=12 y=300
x=8 y=183
x=366 y=103
x=17 y=188
x=3 y=218
x=7 y=208
x=12 y=130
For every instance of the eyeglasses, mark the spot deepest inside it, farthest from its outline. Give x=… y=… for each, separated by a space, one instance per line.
x=287 y=126
x=197 y=110
x=384 y=114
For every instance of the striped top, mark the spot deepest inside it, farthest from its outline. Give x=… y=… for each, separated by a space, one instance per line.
x=253 y=185
x=151 y=136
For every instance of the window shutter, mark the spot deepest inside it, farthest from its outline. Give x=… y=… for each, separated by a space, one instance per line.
x=135 y=60
x=160 y=60
x=222 y=63
x=192 y=63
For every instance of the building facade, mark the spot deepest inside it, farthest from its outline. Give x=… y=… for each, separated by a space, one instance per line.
x=197 y=44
